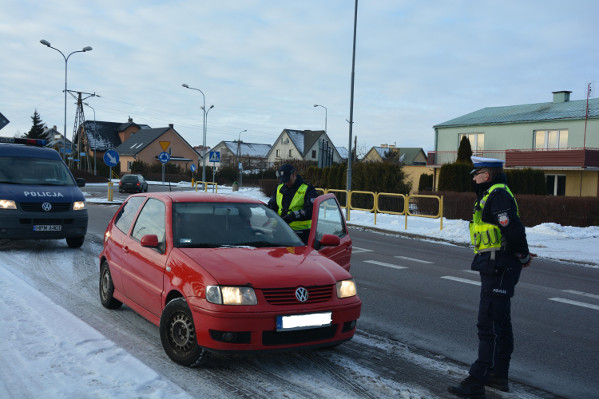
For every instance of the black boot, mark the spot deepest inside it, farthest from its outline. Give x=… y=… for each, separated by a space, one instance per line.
x=497 y=382
x=469 y=388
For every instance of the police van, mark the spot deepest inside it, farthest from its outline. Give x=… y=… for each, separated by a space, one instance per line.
x=39 y=197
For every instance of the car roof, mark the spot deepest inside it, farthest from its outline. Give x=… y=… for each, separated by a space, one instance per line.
x=189 y=196
x=28 y=151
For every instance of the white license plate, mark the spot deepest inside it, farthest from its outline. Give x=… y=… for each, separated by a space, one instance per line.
x=47 y=227
x=304 y=321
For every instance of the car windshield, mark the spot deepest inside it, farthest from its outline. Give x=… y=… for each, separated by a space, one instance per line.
x=210 y=224
x=34 y=171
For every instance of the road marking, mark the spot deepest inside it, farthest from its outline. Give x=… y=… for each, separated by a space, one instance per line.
x=575 y=303
x=582 y=293
x=461 y=280
x=357 y=250
x=412 y=259
x=376 y=262
x=472 y=271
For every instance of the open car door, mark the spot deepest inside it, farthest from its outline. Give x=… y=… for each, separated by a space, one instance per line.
x=329 y=234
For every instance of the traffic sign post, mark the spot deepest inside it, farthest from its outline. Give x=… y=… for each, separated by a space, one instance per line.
x=214 y=156
x=111 y=158
x=163 y=157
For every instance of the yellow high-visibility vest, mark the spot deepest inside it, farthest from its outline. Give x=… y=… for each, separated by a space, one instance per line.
x=297 y=203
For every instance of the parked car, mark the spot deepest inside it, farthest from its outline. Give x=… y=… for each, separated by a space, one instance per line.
x=225 y=273
x=133 y=183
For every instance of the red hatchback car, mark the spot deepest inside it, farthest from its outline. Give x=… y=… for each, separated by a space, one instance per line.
x=222 y=273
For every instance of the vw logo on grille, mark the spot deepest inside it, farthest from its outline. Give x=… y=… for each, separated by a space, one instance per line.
x=301 y=294
x=46 y=206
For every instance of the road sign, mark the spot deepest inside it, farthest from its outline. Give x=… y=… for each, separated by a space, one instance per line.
x=164 y=157
x=165 y=145
x=3 y=121
x=111 y=158
x=214 y=156
x=192 y=167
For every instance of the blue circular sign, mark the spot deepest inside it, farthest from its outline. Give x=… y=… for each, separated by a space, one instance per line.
x=192 y=167
x=111 y=158
x=164 y=157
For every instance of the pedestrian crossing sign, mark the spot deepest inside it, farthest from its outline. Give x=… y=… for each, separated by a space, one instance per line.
x=214 y=156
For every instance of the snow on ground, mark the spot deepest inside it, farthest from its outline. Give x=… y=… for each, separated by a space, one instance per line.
x=42 y=358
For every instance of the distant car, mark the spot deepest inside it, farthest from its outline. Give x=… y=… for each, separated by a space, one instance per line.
x=225 y=273
x=133 y=183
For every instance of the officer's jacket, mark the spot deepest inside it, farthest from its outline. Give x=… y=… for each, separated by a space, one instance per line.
x=299 y=197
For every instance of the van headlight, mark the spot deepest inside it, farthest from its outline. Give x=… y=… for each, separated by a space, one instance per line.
x=224 y=295
x=78 y=205
x=346 y=288
x=7 y=204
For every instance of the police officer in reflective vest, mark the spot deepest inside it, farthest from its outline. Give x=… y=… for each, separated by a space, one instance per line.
x=501 y=250
x=293 y=200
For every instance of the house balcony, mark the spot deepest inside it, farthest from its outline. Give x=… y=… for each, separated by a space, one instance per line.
x=568 y=158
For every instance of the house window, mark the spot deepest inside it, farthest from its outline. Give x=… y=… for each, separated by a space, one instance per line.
x=556 y=184
x=278 y=155
x=551 y=139
x=290 y=151
x=129 y=163
x=313 y=154
x=477 y=141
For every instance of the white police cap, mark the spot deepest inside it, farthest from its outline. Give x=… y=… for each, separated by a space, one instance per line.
x=480 y=162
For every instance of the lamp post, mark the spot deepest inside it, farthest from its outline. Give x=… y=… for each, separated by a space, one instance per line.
x=205 y=123
x=94 y=134
x=66 y=60
x=239 y=154
x=325 y=115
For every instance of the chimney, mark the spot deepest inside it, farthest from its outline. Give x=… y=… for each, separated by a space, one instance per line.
x=171 y=125
x=130 y=120
x=561 y=96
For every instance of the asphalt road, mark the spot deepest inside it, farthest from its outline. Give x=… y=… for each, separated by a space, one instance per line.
x=421 y=294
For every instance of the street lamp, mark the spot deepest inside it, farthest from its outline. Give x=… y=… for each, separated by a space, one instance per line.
x=325 y=115
x=239 y=154
x=205 y=123
x=66 y=60
x=94 y=135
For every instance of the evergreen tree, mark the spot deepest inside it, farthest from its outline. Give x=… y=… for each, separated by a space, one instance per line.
x=38 y=130
x=464 y=151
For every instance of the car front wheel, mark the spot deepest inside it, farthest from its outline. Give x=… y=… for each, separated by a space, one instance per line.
x=107 y=288
x=178 y=334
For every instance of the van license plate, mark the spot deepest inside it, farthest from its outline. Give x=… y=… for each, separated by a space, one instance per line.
x=47 y=227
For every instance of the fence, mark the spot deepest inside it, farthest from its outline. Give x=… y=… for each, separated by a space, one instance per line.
x=409 y=206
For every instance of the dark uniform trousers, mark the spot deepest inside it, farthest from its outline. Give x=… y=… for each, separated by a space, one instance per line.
x=496 y=340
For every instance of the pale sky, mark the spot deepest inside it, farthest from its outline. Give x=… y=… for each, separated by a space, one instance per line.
x=264 y=64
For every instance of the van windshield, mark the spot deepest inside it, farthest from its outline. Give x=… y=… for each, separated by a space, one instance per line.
x=34 y=171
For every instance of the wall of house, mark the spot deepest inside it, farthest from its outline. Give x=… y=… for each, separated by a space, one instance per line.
x=127 y=133
x=413 y=173
x=580 y=183
x=520 y=136
x=283 y=144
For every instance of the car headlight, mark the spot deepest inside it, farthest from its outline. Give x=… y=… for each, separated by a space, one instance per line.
x=7 y=204
x=78 y=205
x=346 y=288
x=223 y=295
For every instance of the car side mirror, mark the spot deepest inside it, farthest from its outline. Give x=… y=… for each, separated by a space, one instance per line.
x=80 y=182
x=329 y=240
x=150 y=240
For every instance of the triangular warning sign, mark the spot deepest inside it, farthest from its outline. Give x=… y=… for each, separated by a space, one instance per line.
x=164 y=145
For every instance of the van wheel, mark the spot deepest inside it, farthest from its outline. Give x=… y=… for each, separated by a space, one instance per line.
x=107 y=288
x=75 y=242
x=178 y=334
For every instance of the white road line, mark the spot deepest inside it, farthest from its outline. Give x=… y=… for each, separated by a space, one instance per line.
x=376 y=262
x=412 y=259
x=581 y=293
x=575 y=303
x=461 y=280
x=357 y=250
x=472 y=271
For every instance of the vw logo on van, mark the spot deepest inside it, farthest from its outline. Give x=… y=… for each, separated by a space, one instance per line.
x=46 y=206
x=301 y=294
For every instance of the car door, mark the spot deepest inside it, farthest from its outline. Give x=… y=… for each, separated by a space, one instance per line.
x=327 y=218
x=144 y=266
